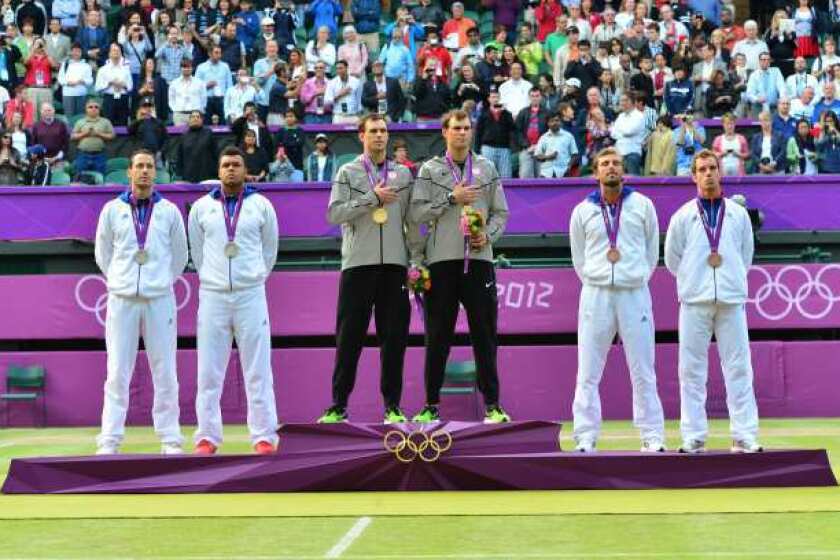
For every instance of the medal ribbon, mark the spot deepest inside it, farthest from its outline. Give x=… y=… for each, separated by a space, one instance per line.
x=370 y=169
x=466 y=178
x=713 y=233
x=141 y=228
x=612 y=226
x=230 y=222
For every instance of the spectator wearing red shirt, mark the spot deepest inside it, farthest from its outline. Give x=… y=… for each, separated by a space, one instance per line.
x=457 y=27
x=38 y=77
x=731 y=33
x=546 y=16
x=20 y=103
x=434 y=50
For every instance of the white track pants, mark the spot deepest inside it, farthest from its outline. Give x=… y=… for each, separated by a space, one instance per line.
x=602 y=313
x=729 y=325
x=155 y=320
x=223 y=316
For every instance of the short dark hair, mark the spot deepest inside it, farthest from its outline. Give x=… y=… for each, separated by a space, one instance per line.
x=369 y=117
x=455 y=114
x=342 y=61
x=584 y=43
x=231 y=151
x=139 y=152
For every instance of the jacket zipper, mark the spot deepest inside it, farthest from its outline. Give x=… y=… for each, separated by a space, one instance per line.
x=139 y=270
x=381 y=245
x=230 y=273
x=714 y=281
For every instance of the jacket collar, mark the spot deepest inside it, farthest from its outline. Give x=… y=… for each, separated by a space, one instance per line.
x=595 y=196
x=126 y=196
x=249 y=190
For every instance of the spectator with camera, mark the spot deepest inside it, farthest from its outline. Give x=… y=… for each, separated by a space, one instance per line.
x=768 y=148
x=828 y=143
x=432 y=97
x=39 y=74
x=802 y=151
x=383 y=95
x=731 y=148
x=689 y=138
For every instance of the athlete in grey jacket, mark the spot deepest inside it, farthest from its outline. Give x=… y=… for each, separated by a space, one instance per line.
x=458 y=273
x=370 y=200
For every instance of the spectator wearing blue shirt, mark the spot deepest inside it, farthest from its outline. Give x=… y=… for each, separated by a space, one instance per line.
x=264 y=74
x=216 y=75
x=783 y=121
x=709 y=8
x=688 y=139
x=828 y=145
x=324 y=13
x=679 y=93
x=247 y=24
x=410 y=32
x=827 y=103
x=93 y=38
x=366 y=14
x=285 y=22
x=556 y=150
x=169 y=56
x=399 y=64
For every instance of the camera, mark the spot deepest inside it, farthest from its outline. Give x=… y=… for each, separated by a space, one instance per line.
x=765 y=161
x=688 y=150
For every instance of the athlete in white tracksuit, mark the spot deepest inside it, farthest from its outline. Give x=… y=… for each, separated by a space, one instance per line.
x=232 y=302
x=712 y=300
x=615 y=298
x=141 y=302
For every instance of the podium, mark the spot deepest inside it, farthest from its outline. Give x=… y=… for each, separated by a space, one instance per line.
x=414 y=457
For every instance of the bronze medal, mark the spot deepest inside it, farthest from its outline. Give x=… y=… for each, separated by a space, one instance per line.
x=715 y=260
x=231 y=249
x=380 y=215
x=613 y=255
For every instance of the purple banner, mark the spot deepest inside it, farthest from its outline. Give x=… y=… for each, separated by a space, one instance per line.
x=537 y=383
x=530 y=301
x=537 y=206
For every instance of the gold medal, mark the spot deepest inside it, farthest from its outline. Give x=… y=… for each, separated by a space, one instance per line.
x=715 y=260
x=380 y=215
x=141 y=256
x=231 y=249
x=613 y=255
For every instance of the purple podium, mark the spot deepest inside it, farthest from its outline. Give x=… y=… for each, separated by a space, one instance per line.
x=443 y=456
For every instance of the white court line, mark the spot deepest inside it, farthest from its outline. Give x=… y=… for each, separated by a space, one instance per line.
x=349 y=537
x=6 y=443
x=497 y=556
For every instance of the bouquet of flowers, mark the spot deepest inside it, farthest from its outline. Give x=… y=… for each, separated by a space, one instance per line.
x=419 y=282
x=472 y=224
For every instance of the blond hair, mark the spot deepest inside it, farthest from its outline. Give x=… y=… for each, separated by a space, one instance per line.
x=705 y=153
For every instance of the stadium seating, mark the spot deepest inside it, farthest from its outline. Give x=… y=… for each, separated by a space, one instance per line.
x=25 y=384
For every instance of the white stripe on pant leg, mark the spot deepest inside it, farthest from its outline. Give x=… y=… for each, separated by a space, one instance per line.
x=636 y=327
x=122 y=339
x=596 y=330
x=160 y=336
x=349 y=538
x=214 y=338
x=253 y=338
x=695 y=334
x=735 y=356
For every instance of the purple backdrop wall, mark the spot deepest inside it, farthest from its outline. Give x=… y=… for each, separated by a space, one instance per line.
x=537 y=206
x=530 y=301
x=537 y=383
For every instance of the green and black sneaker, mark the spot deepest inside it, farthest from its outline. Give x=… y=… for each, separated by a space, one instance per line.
x=428 y=415
x=333 y=415
x=495 y=415
x=393 y=415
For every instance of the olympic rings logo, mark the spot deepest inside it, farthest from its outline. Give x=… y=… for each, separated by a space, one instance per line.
x=812 y=288
x=100 y=303
x=417 y=444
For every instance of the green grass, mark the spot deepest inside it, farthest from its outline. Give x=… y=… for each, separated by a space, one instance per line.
x=743 y=524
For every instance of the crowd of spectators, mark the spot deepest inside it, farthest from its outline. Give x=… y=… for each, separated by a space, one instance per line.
x=548 y=83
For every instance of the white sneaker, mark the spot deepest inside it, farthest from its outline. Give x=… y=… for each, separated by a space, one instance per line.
x=653 y=445
x=585 y=446
x=171 y=449
x=693 y=447
x=108 y=449
x=746 y=446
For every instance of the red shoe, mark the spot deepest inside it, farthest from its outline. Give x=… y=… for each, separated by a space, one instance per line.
x=204 y=447
x=265 y=448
